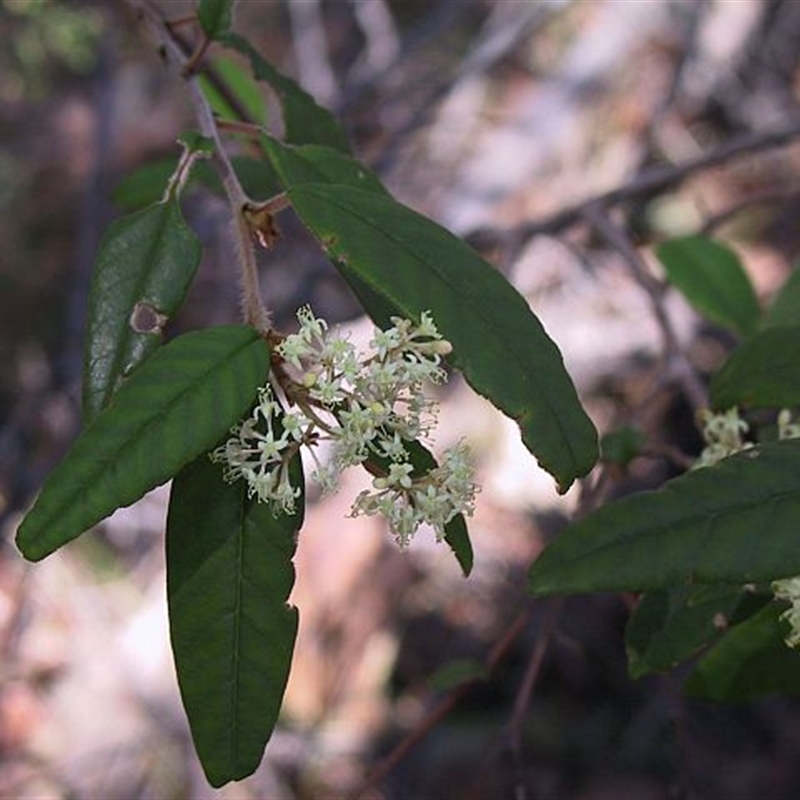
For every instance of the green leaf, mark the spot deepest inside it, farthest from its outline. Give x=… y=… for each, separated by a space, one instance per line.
x=500 y=346
x=257 y=177
x=314 y=163
x=243 y=99
x=144 y=186
x=785 y=307
x=229 y=574
x=304 y=121
x=622 y=446
x=713 y=280
x=215 y=17
x=750 y=660
x=764 y=371
x=144 y=267
x=177 y=405
x=671 y=625
x=735 y=522
x=456 y=535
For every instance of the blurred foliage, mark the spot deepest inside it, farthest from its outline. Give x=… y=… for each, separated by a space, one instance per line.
x=42 y=38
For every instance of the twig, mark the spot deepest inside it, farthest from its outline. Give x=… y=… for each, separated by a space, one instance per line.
x=444 y=706
x=523 y=698
x=677 y=363
x=174 y=49
x=772 y=195
x=651 y=181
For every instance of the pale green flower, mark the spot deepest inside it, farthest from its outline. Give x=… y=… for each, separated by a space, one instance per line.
x=369 y=404
x=723 y=434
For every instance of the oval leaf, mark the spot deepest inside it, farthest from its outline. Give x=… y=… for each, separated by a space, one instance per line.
x=304 y=121
x=241 y=98
x=735 y=522
x=229 y=574
x=143 y=270
x=763 y=371
x=713 y=281
x=314 y=163
x=177 y=405
x=785 y=307
x=750 y=660
x=499 y=344
x=669 y=626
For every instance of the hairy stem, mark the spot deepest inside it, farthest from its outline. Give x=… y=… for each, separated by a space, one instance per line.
x=175 y=51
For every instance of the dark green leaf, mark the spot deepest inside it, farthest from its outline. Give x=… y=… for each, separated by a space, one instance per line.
x=144 y=186
x=195 y=143
x=215 y=17
x=457 y=537
x=735 y=522
x=175 y=406
x=144 y=267
x=713 y=280
x=763 y=371
x=304 y=121
x=416 y=265
x=622 y=446
x=750 y=660
x=785 y=307
x=257 y=177
x=313 y=163
x=229 y=574
x=669 y=626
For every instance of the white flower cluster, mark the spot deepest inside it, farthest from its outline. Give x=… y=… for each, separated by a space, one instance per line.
x=723 y=434
x=435 y=498
x=370 y=407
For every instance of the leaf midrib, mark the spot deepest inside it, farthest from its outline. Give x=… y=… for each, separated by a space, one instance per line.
x=137 y=432
x=474 y=307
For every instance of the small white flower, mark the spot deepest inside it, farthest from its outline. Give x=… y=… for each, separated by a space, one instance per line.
x=366 y=405
x=294 y=348
x=723 y=434
x=786 y=428
x=312 y=329
x=789 y=589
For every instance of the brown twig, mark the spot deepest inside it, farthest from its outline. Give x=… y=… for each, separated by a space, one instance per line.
x=193 y=62
x=444 y=706
x=652 y=181
x=522 y=701
x=772 y=195
x=174 y=48
x=677 y=363
x=523 y=698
